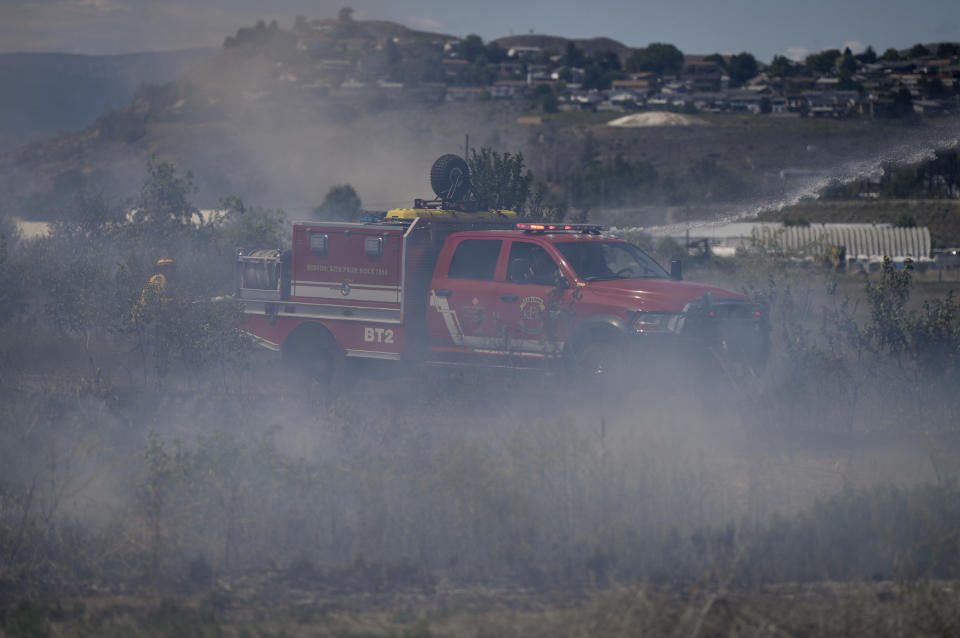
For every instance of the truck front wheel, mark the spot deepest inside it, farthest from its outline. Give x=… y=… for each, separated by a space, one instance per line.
x=601 y=360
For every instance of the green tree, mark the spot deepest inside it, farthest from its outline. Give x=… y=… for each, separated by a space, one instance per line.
x=869 y=56
x=345 y=14
x=890 y=55
x=471 y=48
x=742 y=67
x=341 y=203
x=164 y=198
x=848 y=63
x=902 y=103
x=781 y=66
x=495 y=53
x=500 y=180
x=934 y=89
x=608 y=61
x=574 y=56
x=246 y=226
x=823 y=62
x=846 y=67
x=658 y=57
x=717 y=59
x=948 y=49
x=919 y=51
x=544 y=98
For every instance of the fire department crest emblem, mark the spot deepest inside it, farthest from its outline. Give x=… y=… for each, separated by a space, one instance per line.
x=531 y=314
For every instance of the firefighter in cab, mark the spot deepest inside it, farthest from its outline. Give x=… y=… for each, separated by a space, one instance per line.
x=157 y=290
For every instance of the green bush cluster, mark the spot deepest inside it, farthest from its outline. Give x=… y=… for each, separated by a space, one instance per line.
x=86 y=279
x=843 y=362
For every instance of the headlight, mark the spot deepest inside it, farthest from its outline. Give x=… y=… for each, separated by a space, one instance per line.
x=646 y=322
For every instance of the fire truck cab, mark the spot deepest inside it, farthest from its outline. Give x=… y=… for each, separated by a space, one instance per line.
x=498 y=291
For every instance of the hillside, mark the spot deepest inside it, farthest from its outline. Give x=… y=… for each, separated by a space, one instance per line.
x=46 y=94
x=279 y=116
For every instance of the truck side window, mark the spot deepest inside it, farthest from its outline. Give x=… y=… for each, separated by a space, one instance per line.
x=531 y=264
x=475 y=259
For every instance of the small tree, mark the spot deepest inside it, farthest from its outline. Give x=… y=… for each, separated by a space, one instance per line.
x=869 y=56
x=742 y=67
x=471 y=48
x=781 y=67
x=823 y=62
x=902 y=103
x=659 y=57
x=890 y=55
x=165 y=197
x=574 y=56
x=919 y=51
x=248 y=226
x=848 y=63
x=500 y=180
x=341 y=203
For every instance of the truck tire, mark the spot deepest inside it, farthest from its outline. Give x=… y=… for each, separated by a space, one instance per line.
x=600 y=360
x=315 y=352
x=450 y=177
x=324 y=361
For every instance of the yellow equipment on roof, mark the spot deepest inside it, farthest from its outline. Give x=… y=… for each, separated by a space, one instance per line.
x=413 y=213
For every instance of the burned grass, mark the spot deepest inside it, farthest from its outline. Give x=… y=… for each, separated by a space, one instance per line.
x=879 y=609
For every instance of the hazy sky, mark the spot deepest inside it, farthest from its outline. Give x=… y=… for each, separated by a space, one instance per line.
x=762 y=27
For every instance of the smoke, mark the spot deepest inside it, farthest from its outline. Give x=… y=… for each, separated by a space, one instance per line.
x=116 y=469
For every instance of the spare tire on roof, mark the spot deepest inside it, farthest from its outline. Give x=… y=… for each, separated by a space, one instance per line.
x=450 y=177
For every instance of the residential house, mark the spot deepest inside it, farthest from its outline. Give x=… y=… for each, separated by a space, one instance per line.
x=467 y=93
x=830 y=104
x=454 y=68
x=778 y=106
x=747 y=101
x=710 y=102
x=524 y=53
x=509 y=90
x=431 y=92
x=630 y=90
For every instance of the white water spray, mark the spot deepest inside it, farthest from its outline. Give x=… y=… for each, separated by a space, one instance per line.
x=905 y=154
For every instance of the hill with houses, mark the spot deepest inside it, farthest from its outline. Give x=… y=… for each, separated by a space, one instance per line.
x=280 y=115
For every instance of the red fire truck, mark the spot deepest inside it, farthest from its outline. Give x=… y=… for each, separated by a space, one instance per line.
x=436 y=285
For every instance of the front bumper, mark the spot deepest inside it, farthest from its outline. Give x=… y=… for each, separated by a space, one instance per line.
x=738 y=331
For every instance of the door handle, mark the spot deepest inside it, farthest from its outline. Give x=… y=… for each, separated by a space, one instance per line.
x=509 y=298
x=443 y=293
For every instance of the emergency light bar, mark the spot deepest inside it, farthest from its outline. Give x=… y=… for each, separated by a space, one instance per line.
x=589 y=229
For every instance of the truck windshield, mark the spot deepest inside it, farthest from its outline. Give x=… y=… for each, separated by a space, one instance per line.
x=596 y=261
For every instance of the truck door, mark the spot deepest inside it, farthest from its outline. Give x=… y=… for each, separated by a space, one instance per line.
x=464 y=297
x=530 y=300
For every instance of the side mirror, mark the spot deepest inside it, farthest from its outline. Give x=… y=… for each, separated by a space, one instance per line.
x=676 y=269
x=562 y=283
